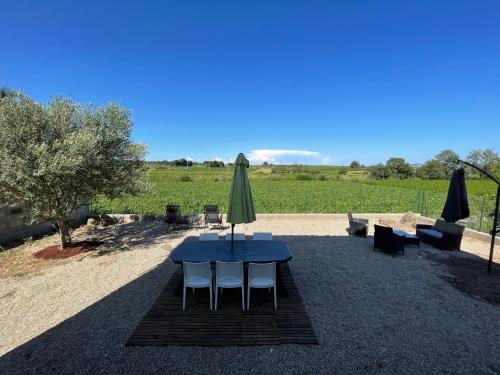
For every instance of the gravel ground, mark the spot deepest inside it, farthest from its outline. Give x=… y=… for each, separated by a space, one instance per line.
x=371 y=312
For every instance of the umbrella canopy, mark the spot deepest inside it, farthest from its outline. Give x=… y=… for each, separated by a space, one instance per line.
x=240 y=208
x=457 y=205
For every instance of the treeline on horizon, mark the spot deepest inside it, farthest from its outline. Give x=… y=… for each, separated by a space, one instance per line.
x=438 y=168
x=187 y=163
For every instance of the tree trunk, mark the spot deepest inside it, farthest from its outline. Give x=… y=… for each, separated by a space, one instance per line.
x=64 y=234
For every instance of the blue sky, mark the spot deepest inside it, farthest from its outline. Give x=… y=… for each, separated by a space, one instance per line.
x=331 y=81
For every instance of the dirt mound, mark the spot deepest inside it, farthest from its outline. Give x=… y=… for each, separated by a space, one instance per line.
x=55 y=252
x=393 y=223
x=409 y=219
x=407 y=222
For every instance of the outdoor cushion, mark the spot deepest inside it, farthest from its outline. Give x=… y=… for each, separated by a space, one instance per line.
x=446 y=227
x=431 y=233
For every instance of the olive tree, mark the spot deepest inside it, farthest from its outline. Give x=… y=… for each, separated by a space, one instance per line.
x=57 y=157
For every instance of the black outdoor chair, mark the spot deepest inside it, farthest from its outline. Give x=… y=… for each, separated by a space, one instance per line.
x=357 y=226
x=174 y=217
x=386 y=240
x=212 y=216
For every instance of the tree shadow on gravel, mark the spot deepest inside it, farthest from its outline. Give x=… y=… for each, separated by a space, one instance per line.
x=93 y=341
x=127 y=237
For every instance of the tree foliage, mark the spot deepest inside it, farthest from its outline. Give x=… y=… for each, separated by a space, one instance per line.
x=182 y=163
x=56 y=157
x=399 y=168
x=394 y=168
x=214 y=163
x=448 y=160
x=355 y=164
x=488 y=160
x=6 y=92
x=431 y=170
x=379 y=172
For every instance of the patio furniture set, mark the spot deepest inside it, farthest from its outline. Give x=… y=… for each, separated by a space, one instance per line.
x=262 y=256
x=443 y=235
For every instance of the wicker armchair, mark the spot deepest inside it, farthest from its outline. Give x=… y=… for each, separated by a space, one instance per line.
x=386 y=240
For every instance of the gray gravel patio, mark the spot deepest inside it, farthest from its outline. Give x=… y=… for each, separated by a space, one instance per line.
x=371 y=312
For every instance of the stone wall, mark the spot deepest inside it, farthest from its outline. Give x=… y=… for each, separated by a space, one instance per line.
x=12 y=226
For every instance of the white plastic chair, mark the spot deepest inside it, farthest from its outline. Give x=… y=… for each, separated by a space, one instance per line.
x=237 y=236
x=262 y=275
x=209 y=237
x=262 y=236
x=196 y=275
x=229 y=275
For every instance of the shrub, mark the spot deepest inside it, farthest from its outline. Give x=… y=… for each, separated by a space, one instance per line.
x=186 y=178
x=322 y=177
x=305 y=177
x=379 y=172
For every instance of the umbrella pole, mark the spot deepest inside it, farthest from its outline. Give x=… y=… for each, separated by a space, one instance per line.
x=494 y=231
x=232 y=236
x=495 y=218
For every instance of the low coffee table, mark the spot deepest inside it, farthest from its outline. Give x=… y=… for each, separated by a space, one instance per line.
x=410 y=239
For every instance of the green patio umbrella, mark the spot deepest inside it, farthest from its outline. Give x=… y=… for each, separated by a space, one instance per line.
x=240 y=208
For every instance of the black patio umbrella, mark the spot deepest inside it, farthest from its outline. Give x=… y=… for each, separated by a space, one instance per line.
x=457 y=205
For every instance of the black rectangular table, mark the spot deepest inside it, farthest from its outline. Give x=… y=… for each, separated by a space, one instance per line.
x=410 y=239
x=243 y=251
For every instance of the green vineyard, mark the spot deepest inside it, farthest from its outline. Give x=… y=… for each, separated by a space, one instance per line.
x=325 y=190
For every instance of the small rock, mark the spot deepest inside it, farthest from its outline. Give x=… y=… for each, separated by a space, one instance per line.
x=92 y=222
x=408 y=219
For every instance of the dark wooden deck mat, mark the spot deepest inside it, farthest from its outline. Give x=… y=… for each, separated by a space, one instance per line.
x=167 y=324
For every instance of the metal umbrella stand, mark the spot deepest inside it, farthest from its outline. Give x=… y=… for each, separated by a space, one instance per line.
x=494 y=230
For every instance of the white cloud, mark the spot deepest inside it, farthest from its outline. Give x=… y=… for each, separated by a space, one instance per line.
x=288 y=156
x=325 y=160
x=189 y=158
